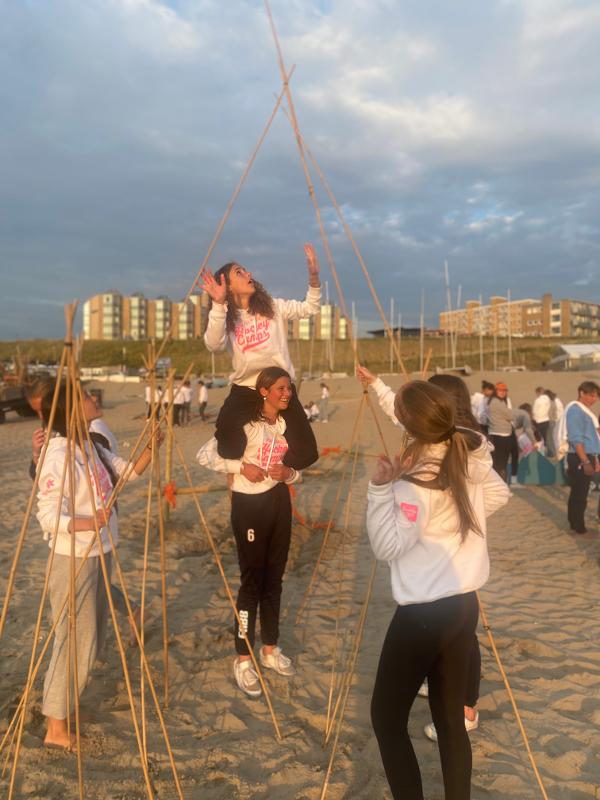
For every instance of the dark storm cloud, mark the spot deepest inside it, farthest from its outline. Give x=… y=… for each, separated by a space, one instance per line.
x=468 y=132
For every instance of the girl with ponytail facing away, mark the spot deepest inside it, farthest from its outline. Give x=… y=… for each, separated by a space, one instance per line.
x=426 y=517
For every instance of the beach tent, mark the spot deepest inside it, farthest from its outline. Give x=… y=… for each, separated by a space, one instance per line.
x=536 y=470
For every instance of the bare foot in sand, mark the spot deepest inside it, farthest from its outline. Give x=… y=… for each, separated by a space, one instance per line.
x=57 y=735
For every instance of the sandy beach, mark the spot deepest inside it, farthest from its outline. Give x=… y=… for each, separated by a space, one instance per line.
x=541 y=602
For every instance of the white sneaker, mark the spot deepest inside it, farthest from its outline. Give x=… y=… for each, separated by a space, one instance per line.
x=470 y=725
x=423 y=689
x=246 y=677
x=277 y=661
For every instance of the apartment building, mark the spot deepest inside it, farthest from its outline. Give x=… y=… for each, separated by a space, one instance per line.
x=529 y=317
x=328 y=323
x=113 y=316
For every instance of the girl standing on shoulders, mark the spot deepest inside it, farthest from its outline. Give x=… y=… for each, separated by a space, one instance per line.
x=253 y=326
x=426 y=516
x=261 y=518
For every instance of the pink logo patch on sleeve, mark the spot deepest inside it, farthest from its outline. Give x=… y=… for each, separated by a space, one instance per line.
x=410 y=511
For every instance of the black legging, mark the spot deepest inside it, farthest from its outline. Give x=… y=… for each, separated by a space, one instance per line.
x=501 y=453
x=432 y=640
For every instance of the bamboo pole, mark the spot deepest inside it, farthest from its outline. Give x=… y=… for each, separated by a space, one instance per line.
x=229 y=208
x=356 y=250
x=219 y=563
x=163 y=582
x=488 y=630
x=32 y=497
x=426 y=365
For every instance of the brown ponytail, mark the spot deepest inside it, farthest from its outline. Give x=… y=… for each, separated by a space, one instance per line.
x=428 y=415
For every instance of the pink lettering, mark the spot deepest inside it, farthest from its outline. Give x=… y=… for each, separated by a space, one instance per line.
x=279 y=450
x=410 y=511
x=251 y=335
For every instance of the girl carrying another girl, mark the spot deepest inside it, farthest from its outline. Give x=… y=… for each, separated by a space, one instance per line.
x=253 y=326
x=426 y=516
x=55 y=514
x=261 y=519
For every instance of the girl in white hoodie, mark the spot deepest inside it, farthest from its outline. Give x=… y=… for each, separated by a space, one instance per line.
x=427 y=517
x=253 y=327
x=69 y=518
x=261 y=518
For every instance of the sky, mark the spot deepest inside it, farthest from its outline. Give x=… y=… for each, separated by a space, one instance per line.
x=466 y=132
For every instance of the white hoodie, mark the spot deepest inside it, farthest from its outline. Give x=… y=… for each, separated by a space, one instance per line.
x=266 y=446
x=417 y=531
x=258 y=342
x=50 y=507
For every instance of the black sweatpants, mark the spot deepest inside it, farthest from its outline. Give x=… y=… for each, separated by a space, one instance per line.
x=501 y=453
x=262 y=526
x=240 y=407
x=580 y=486
x=432 y=640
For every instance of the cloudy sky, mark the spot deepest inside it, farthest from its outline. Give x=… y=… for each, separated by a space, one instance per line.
x=464 y=131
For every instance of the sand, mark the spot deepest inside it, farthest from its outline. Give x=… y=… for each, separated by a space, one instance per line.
x=541 y=602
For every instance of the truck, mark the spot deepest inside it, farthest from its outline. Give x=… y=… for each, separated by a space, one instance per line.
x=13 y=398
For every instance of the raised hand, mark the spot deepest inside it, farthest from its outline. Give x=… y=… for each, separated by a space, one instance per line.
x=363 y=374
x=37 y=443
x=312 y=265
x=217 y=290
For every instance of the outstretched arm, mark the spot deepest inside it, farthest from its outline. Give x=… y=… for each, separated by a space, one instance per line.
x=312 y=263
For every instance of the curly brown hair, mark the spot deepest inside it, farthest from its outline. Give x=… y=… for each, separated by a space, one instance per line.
x=260 y=302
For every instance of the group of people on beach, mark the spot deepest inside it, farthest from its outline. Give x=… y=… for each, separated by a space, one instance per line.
x=427 y=508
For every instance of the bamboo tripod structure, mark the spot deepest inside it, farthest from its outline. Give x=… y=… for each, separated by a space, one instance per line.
x=78 y=436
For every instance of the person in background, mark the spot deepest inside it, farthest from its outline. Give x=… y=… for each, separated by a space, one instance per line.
x=556 y=411
x=479 y=405
x=583 y=457
x=324 y=403
x=202 y=400
x=186 y=411
x=178 y=401
x=541 y=412
x=501 y=431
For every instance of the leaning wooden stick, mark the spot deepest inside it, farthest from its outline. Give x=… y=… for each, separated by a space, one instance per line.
x=219 y=563
x=361 y=262
x=426 y=364
x=511 y=696
x=32 y=497
x=227 y=212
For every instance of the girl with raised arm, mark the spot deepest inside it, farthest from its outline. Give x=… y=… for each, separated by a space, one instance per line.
x=261 y=518
x=426 y=517
x=253 y=326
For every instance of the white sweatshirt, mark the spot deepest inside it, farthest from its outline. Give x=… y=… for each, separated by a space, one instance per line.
x=266 y=446
x=541 y=408
x=50 y=508
x=417 y=531
x=258 y=342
